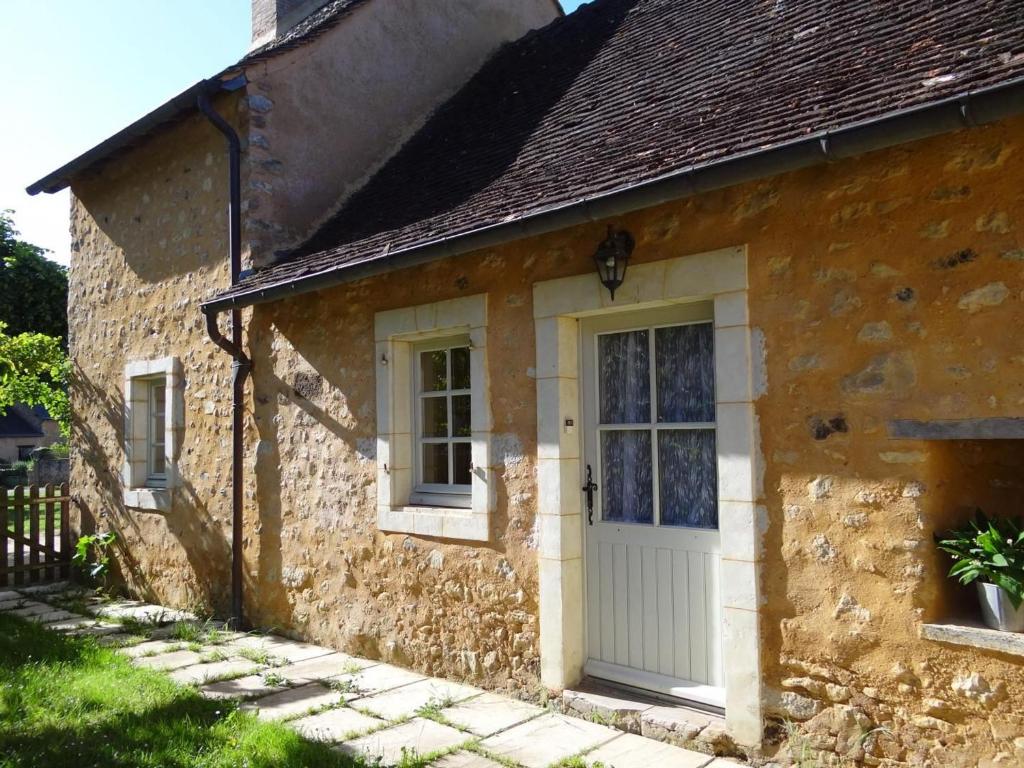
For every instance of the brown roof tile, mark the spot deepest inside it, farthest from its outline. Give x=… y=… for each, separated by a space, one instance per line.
x=625 y=91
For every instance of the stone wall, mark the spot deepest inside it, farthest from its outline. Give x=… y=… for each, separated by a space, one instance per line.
x=881 y=287
x=48 y=470
x=149 y=241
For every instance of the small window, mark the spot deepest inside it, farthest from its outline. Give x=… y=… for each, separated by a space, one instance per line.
x=152 y=429
x=25 y=452
x=156 y=453
x=442 y=407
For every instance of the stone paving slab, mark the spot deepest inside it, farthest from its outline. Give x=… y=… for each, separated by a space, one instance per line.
x=248 y=687
x=407 y=699
x=416 y=737
x=142 y=612
x=514 y=732
x=54 y=615
x=216 y=670
x=294 y=702
x=321 y=668
x=31 y=608
x=335 y=725
x=53 y=587
x=381 y=677
x=166 y=662
x=289 y=651
x=89 y=629
x=469 y=760
x=632 y=751
x=547 y=739
x=149 y=648
x=489 y=713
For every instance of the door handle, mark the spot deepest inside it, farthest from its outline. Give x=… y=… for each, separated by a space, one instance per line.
x=589 y=489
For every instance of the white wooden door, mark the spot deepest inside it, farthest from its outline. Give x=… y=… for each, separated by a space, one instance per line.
x=652 y=540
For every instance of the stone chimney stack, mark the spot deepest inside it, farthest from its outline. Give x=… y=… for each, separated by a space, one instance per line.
x=272 y=18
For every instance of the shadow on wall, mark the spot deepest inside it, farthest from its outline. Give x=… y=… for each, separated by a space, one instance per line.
x=962 y=476
x=165 y=210
x=456 y=129
x=201 y=539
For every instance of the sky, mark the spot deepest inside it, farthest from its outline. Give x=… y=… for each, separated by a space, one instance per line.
x=78 y=71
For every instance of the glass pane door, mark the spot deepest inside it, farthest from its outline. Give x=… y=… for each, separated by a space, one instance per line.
x=656 y=426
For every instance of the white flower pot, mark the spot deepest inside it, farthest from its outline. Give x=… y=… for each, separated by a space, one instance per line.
x=997 y=611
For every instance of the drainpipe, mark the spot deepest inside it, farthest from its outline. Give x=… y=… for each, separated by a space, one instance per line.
x=241 y=366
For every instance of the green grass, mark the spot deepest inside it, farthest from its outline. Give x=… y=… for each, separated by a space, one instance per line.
x=13 y=513
x=70 y=702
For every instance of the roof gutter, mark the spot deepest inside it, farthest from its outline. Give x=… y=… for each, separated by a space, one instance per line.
x=970 y=108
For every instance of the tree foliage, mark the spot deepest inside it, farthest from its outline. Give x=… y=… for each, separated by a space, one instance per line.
x=34 y=370
x=33 y=289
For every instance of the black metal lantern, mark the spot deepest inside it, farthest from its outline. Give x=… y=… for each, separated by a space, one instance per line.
x=612 y=258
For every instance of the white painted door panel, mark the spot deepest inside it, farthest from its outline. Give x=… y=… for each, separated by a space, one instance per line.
x=652 y=549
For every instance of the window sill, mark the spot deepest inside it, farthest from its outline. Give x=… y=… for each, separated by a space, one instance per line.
x=152 y=499
x=438 y=522
x=975 y=636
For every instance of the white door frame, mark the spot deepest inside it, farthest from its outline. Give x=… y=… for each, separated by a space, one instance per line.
x=720 y=276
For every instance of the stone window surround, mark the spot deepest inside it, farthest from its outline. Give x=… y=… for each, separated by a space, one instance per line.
x=136 y=424
x=396 y=332
x=720 y=276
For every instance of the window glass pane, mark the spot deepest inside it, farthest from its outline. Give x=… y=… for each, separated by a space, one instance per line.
x=158 y=404
x=627 y=494
x=462 y=462
x=435 y=463
x=460 y=368
x=687 y=477
x=434 y=370
x=159 y=461
x=623 y=363
x=460 y=415
x=685 y=363
x=435 y=416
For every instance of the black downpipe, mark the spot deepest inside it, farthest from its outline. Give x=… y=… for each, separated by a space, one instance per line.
x=241 y=366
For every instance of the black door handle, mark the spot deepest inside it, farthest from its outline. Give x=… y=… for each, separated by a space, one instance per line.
x=589 y=489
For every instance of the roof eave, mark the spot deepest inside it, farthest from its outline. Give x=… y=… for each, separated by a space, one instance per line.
x=981 y=106
x=170 y=111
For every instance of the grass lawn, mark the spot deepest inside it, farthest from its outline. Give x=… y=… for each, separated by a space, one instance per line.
x=69 y=702
x=25 y=511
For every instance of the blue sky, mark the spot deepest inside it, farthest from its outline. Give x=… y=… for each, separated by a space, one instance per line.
x=77 y=71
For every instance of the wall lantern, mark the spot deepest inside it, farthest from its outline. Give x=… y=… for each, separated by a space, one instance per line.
x=612 y=258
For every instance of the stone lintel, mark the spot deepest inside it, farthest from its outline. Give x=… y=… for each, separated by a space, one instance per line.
x=958 y=429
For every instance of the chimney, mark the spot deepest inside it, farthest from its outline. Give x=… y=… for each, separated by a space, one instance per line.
x=272 y=18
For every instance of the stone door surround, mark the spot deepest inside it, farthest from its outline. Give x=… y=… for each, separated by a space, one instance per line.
x=719 y=276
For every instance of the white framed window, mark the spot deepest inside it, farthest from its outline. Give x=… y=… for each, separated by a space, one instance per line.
x=443 y=408
x=154 y=408
x=156 y=438
x=433 y=420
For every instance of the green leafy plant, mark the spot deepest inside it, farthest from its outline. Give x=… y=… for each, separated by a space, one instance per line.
x=989 y=549
x=92 y=554
x=34 y=370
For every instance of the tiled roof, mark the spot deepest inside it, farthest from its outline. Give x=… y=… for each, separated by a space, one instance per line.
x=309 y=28
x=625 y=91
x=15 y=424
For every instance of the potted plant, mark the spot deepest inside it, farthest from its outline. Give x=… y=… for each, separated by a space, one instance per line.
x=990 y=552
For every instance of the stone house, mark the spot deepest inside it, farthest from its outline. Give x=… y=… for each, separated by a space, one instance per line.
x=23 y=428
x=807 y=369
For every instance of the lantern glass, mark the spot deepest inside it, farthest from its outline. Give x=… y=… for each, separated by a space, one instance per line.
x=612 y=258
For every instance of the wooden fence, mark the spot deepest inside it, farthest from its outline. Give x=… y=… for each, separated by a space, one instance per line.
x=35 y=534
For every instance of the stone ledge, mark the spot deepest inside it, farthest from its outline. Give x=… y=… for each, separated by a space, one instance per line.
x=958 y=429
x=975 y=636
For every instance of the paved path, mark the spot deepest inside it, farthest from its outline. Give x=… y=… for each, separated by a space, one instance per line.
x=363 y=707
